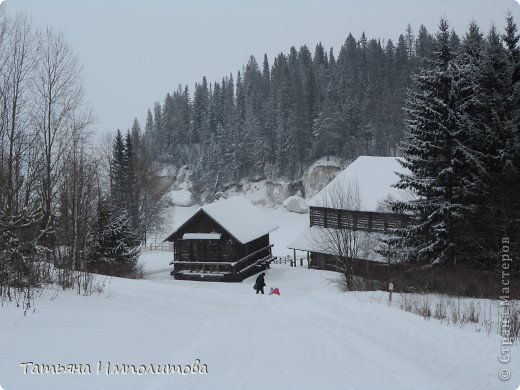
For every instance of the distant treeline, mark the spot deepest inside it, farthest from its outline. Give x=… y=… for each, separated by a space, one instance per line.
x=273 y=120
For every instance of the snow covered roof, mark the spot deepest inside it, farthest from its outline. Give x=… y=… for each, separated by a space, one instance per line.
x=323 y=240
x=240 y=218
x=374 y=178
x=309 y=240
x=201 y=236
x=236 y=215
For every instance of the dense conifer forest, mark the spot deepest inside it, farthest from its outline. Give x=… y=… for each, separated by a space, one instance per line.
x=274 y=119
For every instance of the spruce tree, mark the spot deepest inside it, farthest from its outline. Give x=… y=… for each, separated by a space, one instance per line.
x=497 y=114
x=130 y=184
x=436 y=159
x=328 y=131
x=116 y=245
x=423 y=46
x=158 y=129
x=149 y=135
x=117 y=171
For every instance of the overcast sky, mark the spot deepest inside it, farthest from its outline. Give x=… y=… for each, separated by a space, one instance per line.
x=134 y=52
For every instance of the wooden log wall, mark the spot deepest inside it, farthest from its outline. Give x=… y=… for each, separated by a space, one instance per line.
x=356 y=220
x=207 y=262
x=364 y=268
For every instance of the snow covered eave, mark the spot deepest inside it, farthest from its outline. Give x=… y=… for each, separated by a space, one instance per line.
x=311 y=239
x=318 y=239
x=201 y=236
x=238 y=217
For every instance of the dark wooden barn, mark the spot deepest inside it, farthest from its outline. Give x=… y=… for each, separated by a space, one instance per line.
x=355 y=201
x=224 y=241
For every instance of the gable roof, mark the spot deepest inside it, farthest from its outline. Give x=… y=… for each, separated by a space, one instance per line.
x=238 y=217
x=374 y=178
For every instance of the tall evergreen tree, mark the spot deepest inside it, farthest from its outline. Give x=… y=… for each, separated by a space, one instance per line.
x=131 y=188
x=116 y=245
x=268 y=121
x=423 y=45
x=497 y=114
x=436 y=160
x=328 y=131
x=117 y=170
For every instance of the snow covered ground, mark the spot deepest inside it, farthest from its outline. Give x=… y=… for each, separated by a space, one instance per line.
x=311 y=337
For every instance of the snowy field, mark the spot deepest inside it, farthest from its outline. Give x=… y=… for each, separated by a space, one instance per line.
x=310 y=337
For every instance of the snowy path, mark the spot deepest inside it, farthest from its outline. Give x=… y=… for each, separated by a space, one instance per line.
x=311 y=337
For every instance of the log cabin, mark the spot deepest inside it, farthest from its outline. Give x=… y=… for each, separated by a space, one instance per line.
x=352 y=213
x=226 y=241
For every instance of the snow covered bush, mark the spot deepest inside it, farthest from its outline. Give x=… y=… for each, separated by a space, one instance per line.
x=116 y=246
x=22 y=255
x=296 y=204
x=457 y=311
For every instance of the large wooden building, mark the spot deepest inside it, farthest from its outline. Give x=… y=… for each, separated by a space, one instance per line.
x=224 y=241
x=353 y=206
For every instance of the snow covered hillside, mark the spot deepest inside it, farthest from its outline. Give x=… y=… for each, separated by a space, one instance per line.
x=311 y=337
x=273 y=192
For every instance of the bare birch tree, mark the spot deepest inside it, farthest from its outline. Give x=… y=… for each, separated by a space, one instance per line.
x=16 y=137
x=78 y=205
x=342 y=242
x=21 y=221
x=43 y=123
x=59 y=113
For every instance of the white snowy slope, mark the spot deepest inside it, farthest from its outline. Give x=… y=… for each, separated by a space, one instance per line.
x=181 y=198
x=311 y=337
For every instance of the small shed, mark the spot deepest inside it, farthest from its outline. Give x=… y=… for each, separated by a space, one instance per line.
x=226 y=241
x=356 y=200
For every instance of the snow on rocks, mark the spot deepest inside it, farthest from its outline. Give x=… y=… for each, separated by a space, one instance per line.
x=296 y=204
x=180 y=194
x=254 y=191
x=319 y=174
x=183 y=177
x=167 y=170
x=182 y=198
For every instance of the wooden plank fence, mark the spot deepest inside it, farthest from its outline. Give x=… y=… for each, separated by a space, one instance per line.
x=369 y=221
x=289 y=260
x=163 y=246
